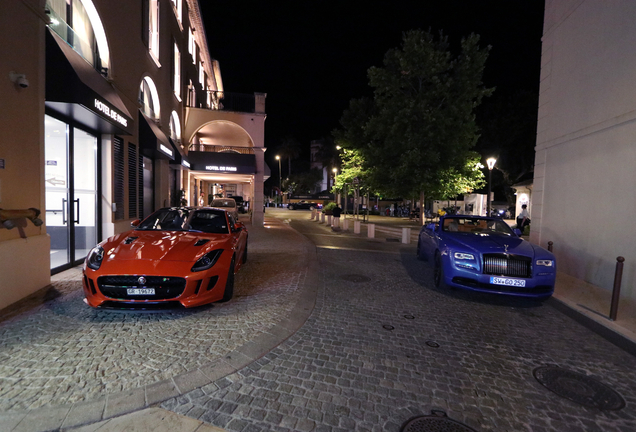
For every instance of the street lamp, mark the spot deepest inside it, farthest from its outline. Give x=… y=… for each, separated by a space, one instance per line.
x=491 y=164
x=280 y=180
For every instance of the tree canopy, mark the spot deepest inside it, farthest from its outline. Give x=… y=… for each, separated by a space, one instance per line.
x=419 y=127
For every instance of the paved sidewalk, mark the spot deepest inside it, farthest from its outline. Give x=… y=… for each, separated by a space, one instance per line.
x=63 y=364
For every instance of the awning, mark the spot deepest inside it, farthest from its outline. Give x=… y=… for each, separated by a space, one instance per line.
x=222 y=163
x=75 y=89
x=154 y=143
x=180 y=161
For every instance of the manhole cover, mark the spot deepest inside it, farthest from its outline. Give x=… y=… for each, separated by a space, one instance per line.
x=436 y=422
x=409 y=317
x=579 y=388
x=356 y=278
x=432 y=344
x=388 y=327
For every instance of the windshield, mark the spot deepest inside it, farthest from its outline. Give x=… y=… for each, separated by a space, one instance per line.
x=207 y=221
x=476 y=225
x=223 y=203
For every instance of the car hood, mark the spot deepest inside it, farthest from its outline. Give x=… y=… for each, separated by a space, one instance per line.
x=161 y=245
x=492 y=243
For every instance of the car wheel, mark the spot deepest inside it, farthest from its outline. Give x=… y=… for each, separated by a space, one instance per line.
x=438 y=272
x=229 y=284
x=291 y=207
x=244 y=259
x=311 y=207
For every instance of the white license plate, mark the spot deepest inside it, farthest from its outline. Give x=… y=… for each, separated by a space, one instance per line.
x=507 y=281
x=141 y=291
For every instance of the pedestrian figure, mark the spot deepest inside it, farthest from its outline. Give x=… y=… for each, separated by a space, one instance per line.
x=336 y=211
x=523 y=219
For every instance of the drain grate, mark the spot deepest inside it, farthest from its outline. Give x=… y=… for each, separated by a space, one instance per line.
x=579 y=388
x=437 y=421
x=355 y=278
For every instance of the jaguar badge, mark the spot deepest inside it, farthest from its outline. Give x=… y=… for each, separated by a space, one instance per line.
x=505 y=249
x=141 y=281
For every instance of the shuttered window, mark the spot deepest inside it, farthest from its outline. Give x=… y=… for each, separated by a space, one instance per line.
x=118 y=177
x=132 y=181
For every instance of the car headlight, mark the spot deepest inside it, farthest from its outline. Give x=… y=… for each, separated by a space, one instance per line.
x=463 y=256
x=207 y=260
x=547 y=263
x=95 y=258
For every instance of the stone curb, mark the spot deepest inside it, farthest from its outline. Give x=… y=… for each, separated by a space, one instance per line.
x=117 y=404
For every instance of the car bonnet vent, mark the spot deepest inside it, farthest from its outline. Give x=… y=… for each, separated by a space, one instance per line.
x=201 y=242
x=129 y=240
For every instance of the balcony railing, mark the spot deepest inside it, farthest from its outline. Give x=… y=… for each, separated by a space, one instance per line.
x=87 y=49
x=220 y=149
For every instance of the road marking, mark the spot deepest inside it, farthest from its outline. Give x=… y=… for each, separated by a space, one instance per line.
x=358 y=250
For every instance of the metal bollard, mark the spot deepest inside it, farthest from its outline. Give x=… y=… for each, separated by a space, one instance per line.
x=322 y=218
x=345 y=224
x=313 y=214
x=328 y=220
x=616 y=291
x=406 y=235
x=550 y=244
x=371 y=230
x=356 y=227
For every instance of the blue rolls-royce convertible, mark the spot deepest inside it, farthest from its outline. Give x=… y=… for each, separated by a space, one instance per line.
x=485 y=254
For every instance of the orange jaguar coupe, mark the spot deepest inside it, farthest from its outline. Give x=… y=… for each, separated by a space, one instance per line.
x=176 y=257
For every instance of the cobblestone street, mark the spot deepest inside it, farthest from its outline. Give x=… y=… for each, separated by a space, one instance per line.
x=382 y=346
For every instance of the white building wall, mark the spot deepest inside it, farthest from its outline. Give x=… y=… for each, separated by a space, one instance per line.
x=583 y=196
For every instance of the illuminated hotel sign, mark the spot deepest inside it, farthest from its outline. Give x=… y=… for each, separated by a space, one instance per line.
x=185 y=163
x=109 y=112
x=220 y=168
x=165 y=149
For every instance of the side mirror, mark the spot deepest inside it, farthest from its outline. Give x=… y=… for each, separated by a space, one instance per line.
x=430 y=227
x=135 y=223
x=518 y=232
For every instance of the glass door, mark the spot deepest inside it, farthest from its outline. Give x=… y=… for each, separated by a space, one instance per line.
x=57 y=190
x=84 y=207
x=71 y=192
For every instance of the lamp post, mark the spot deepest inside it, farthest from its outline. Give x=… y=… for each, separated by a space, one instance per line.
x=335 y=173
x=491 y=164
x=280 y=180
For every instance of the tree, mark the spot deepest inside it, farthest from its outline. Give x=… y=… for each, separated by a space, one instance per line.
x=304 y=182
x=420 y=123
x=290 y=149
x=328 y=156
x=454 y=182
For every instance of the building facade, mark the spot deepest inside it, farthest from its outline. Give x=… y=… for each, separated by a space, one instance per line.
x=112 y=109
x=583 y=191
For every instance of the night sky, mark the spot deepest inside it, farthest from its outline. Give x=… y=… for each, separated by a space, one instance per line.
x=312 y=57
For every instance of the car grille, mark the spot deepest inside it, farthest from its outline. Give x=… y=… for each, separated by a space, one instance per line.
x=165 y=287
x=507 y=265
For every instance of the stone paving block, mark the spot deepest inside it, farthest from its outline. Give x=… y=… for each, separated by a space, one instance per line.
x=190 y=381
x=161 y=391
x=45 y=419
x=85 y=412
x=124 y=402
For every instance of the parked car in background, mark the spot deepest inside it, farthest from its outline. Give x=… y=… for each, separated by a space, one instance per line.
x=241 y=205
x=176 y=257
x=226 y=203
x=302 y=205
x=485 y=254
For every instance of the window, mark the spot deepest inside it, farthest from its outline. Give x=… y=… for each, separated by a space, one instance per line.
x=175 y=128
x=149 y=99
x=201 y=75
x=192 y=46
x=177 y=9
x=153 y=30
x=177 y=72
